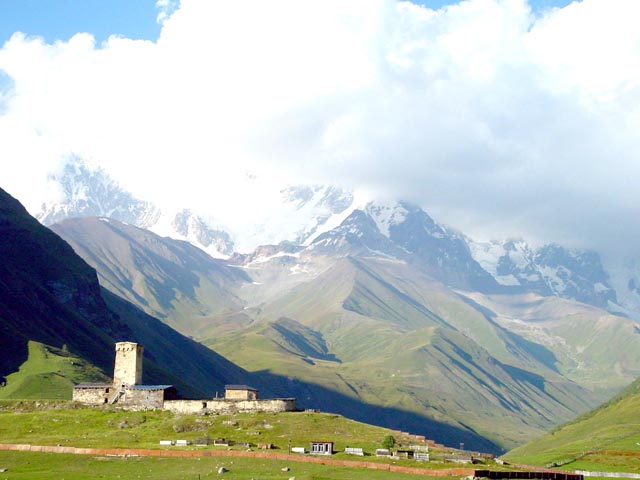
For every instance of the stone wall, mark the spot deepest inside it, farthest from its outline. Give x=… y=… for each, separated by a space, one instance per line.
x=219 y=405
x=92 y=396
x=143 y=398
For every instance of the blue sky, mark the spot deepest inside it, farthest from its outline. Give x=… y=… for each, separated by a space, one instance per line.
x=61 y=19
x=135 y=19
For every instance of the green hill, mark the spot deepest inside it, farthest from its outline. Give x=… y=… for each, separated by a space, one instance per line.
x=49 y=373
x=604 y=439
x=64 y=424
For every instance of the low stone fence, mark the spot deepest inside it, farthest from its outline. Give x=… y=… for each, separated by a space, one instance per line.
x=535 y=474
x=221 y=405
x=608 y=474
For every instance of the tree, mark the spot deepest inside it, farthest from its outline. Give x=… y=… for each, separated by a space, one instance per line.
x=388 y=442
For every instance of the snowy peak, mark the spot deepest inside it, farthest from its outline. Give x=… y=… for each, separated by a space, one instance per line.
x=357 y=234
x=91 y=192
x=196 y=231
x=575 y=274
x=318 y=197
x=386 y=216
x=406 y=232
x=441 y=251
x=549 y=270
x=318 y=208
x=88 y=192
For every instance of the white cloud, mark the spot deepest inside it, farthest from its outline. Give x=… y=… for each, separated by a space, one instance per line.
x=497 y=121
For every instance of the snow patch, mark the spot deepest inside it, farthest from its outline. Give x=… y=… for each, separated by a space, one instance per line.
x=386 y=216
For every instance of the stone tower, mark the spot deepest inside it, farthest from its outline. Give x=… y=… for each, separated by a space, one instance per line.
x=128 y=364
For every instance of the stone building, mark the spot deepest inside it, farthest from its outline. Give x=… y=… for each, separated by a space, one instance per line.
x=240 y=392
x=321 y=448
x=127 y=368
x=127 y=391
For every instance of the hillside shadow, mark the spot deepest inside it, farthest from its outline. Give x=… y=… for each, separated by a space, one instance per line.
x=539 y=352
x=313 y=396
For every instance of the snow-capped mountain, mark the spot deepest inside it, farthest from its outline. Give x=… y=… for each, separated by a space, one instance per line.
x=319 y=208
x=625 y=280
x=406 y=232
x=332 y=220
x=548 y=270
x=91 y=192
x=306 y=211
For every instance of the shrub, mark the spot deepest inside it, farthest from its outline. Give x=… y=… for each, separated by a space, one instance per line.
x=388 y=442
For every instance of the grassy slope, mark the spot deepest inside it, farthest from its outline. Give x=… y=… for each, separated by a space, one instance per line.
x=398 y=344
x=49 y=373
x=21 y=422
x=614 y=426
x=587 y=345
x=53 y=424
x=166 y=278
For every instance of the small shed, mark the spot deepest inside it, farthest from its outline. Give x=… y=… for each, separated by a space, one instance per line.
x=149 y=396
x=92 y=393
x=240 y=392
x=321 y=448
x=354 y=451
x=404 y=453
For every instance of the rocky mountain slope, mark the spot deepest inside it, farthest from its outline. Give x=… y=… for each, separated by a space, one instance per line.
x=550 y=270
x=166 y=278
x=309 y=212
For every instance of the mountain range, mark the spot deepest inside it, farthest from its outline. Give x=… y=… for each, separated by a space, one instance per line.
x=314 y=211
x=59 y=327
x=374 y=310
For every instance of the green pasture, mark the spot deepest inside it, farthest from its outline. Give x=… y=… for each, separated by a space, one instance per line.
x=36 y=466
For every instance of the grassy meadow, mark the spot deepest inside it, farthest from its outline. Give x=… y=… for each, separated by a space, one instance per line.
x=63 y=423
x=605 y=439
x=46 y=466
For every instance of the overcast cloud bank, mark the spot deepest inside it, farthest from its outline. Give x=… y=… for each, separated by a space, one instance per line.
x=497 y=121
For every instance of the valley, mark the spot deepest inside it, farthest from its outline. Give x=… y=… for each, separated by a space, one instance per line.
x=385 y=318
x=378 y=330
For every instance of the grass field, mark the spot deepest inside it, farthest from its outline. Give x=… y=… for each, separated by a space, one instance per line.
x=63 y=423
x=53 y=423
x=606 y=439
x=36 y=466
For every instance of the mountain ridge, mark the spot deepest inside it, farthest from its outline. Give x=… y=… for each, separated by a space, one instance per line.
x=386 y=333
x=313 y=212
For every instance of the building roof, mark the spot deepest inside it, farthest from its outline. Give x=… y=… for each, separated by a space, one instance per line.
x=149 y=387
x=93 y=385
x=240 y=387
